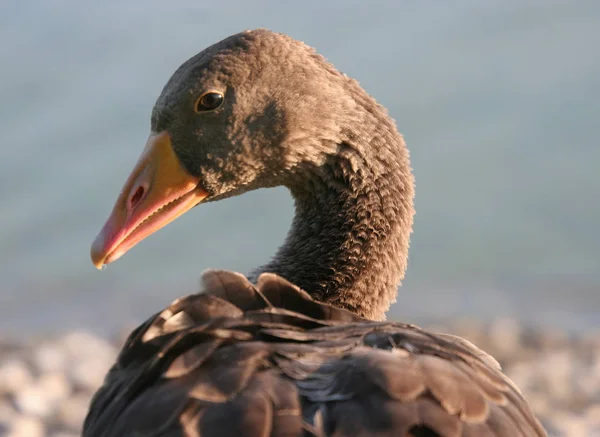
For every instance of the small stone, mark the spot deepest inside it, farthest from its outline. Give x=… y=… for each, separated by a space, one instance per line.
x=505 y=337
x=587 y=385
x=553 y=338
x=71 y=413
x=83 y=345
x=7 y=412
x=522 y=374
x=40 y=398
x=590 y=340
x=49 y=358
x=568 y=424
x=595 y=365
x=32 y=400
x=14 y=374
x=55 y=386
x=539 y=402
x=91 y=358
x=557 y=373
x=593 y=415
x=26 y=426
x=64 y=434
x=89 y=375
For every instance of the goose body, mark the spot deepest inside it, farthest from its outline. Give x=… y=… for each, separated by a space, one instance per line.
x=300 y=346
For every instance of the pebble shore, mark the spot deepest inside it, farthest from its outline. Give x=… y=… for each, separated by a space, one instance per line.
x=46 y=384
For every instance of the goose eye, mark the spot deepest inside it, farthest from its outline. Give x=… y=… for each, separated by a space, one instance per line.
x=209 y=102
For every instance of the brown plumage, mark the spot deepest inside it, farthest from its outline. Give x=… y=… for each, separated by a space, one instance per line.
x=302 y=355
x=238 y=360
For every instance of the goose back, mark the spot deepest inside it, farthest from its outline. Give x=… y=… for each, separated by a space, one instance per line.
x=241 y=360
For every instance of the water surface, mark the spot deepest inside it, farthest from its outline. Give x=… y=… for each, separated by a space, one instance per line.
x=499 y=102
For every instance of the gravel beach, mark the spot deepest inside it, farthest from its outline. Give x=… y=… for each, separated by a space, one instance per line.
x=46 y=383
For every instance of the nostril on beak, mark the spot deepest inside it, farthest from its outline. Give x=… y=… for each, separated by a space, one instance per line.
x=137 y=196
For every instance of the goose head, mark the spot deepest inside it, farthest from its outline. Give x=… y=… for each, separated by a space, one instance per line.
x=256 y=110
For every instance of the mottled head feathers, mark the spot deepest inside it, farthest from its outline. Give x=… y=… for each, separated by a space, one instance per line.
x=288 y=117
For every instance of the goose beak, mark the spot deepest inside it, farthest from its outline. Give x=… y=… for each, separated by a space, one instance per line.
x=157 y=191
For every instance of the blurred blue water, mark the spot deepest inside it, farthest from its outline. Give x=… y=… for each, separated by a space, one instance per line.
x=499 y=102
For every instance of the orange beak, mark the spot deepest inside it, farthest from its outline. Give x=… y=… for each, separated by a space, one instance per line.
x=157 y=191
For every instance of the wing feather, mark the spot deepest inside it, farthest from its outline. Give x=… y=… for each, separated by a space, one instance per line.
x=242 y=360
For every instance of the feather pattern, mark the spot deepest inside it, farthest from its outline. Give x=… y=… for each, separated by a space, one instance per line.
x=236 y=360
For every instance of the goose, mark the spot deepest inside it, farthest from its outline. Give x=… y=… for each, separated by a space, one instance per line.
x=300 y=346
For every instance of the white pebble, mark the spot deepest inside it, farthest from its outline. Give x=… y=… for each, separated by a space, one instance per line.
x=539 y=402
x=587 y=384
x=83 y=345
x=72 y=412
x=89 y=374
x=593 y=415
x=505 y=336
x=552 y=338
x=14 y=374
x=570 y=425
x=595 y=366
x=55 y=385
x=40 y=397
x=32 y=400
x=7 y=412
x=25 y=426
x=49 y=358
x=65 y=434
x=523 y=374
x=558 y=371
